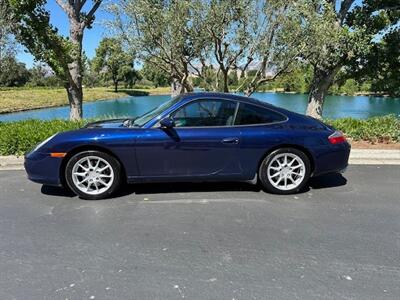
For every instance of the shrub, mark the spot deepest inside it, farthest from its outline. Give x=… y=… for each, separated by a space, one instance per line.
x=350 y=87
x=18 y=137
x=383 y=129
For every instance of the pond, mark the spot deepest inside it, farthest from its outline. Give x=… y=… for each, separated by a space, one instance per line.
x=359 y=107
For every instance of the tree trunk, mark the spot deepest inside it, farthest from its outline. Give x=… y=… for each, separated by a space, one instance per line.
x=249 y=91
x=321 y=82
x=225 y=81
x=74 y=88
x=116 y=86
x=75 y=102
x=176 y=87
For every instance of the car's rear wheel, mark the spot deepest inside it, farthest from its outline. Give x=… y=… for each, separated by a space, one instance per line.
x=93 y=175
x=285 y=171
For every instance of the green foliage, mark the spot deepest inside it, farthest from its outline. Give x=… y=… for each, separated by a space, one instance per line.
x=91 y=78
x=13 y=73
x=7 y=42
x=18 y=137
x=62 y=54
x=377 y=129
x=350 y=87
x=297 y=80
x=42 y=76
x=42 y=40
x=156 y=75
x=233 y=78
x=332 y=41
x=164 y=33
x=114 y=63
x=381 y=66
x=229 y=35
x=279 y=42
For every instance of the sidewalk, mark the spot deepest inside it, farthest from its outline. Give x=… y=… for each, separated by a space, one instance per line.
x=357 y=157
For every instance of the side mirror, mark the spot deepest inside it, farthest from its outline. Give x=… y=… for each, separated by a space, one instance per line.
x=167 y=123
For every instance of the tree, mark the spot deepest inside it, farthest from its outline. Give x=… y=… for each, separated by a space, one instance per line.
x=297 y=80
x=339 y=36
x=63 y=55
x=42 y=75
x=156 y=75
x=113 y=62
x=163 y=33
x=13 y=73
x=7 y=43
x=130 y=76
x=228 y=32
x=39 y=72
x=233 y=78
x=379 y=70
x=280 y=43
x=91 y=77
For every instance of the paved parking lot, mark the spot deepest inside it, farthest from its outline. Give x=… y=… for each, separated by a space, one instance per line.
x=340 y=239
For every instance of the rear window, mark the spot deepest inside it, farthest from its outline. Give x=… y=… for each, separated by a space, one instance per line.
x=251 y=114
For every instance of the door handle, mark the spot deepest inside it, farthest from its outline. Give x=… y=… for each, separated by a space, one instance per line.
x=232 y=140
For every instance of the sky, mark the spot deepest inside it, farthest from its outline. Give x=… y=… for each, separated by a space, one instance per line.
x=91 y=37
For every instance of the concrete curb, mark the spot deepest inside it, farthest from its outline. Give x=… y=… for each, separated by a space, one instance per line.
x=11 y=163
x=374 y=157
x=357 y=157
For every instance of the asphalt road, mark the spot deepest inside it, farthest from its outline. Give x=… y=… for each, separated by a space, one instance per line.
x=338 y=240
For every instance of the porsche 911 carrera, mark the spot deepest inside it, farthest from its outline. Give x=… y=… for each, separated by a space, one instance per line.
x=193 y=137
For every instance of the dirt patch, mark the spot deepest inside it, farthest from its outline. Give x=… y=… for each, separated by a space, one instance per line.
x=369 y=145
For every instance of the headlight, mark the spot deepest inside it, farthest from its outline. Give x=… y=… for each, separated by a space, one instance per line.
x=42 y=143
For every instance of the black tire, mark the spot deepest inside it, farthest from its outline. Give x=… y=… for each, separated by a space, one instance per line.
x=265 y=181
x=116 y=168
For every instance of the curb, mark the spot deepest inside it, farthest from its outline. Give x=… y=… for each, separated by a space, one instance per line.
x=374 y=157
x=8 y=163
x=357 y=157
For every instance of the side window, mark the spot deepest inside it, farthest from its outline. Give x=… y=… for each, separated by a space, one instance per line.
x=251 y=114
x=205 y=113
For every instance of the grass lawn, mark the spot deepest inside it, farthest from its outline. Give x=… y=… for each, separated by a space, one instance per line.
x=18 y=99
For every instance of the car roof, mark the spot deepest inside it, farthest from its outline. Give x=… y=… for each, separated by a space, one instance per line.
x=197 y=95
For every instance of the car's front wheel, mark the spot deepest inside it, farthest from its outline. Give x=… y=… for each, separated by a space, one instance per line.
x=93 y=175
x=285 y=171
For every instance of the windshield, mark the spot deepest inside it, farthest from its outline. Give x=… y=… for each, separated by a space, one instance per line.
x=140 y=121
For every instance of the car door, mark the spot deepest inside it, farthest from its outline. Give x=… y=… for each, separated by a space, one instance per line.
x=203 y=142
x=261 y=130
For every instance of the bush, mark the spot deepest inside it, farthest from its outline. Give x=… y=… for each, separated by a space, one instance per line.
x=350 y=87
x=18 y=137
x=384 y=129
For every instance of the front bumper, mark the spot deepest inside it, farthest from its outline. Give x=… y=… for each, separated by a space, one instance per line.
x=42 y=168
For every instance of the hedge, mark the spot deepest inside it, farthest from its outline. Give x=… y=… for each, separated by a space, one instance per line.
x=18 y=137
x=385 y=129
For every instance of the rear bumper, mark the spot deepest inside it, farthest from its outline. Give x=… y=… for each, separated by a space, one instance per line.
x=42 y=168
x=334 y=158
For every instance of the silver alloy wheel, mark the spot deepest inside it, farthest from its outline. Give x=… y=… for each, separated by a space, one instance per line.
x=286 y=171
x=92 y=175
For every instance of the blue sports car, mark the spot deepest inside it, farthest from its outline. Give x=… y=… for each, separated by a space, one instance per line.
x=192 y=137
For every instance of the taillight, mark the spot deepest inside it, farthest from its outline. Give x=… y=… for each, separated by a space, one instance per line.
x=336 y=138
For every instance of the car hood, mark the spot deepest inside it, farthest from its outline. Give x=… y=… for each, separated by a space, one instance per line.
x=113 y=123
